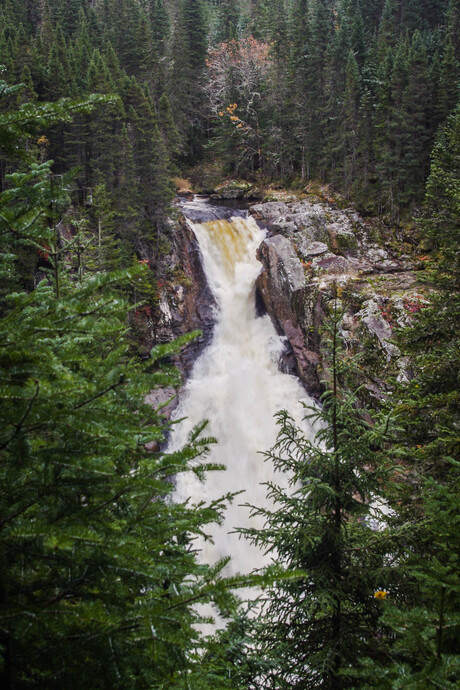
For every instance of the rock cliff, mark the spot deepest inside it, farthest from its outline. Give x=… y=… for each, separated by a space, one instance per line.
x=313 y=250
x=186 y=302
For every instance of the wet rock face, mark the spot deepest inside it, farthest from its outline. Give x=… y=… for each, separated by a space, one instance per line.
x=281 y=285
x=285 y=270
x=297 y=220
x=311 y=251
x=196 y=306
x=186 y=303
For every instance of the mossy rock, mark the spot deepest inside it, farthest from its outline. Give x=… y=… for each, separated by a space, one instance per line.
x=426 y=245
x=346 y=240
x=341 y=240
x=233 y=189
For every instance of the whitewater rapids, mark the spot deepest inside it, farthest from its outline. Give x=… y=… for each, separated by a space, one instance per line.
x=237 y=386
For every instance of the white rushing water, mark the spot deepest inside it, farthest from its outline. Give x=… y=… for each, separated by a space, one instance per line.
x=236 y=385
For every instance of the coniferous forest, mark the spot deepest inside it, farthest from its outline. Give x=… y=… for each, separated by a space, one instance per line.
x=106 y=108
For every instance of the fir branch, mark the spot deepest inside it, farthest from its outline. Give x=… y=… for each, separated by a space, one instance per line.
x=101 y=393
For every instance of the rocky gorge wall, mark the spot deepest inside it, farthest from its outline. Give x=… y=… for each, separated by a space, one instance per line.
x=311 y=250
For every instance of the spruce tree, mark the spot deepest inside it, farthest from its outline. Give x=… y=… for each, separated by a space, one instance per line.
x=323 y=615
x=87 y=531
x=105 y=243
x=59 y=73
x=320 y=38
x=388 y=24
x=277 y=151
x=82 y=52
x=162 y=191
x=188 y=55
x=394 y=177
x=415 y=127
x=159 y=20
x=453 y=25
x=168 y=127
x=98 y=571
x=105 y=126
x=113 y=65
x=227 y=21
x=350 y=123
x=298 y=82
x=424 y=623
x=448 y=94
x=46 y=28
x=27 y=93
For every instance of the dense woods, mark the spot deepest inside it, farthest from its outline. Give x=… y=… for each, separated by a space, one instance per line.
x=102 y=104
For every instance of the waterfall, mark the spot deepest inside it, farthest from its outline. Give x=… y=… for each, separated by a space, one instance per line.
x=237 y=386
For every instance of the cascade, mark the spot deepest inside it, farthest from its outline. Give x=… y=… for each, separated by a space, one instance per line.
x=237 y=386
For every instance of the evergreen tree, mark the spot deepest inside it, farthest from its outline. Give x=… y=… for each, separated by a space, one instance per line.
x=146 y=156
x=365 y=190
x=59 y=71
x=159 y=20
x=147 y=65
x=416 y=126
x=453 y=25
x=320 y=38
x=388 y=25
x=168 y=127
x=130 y=218
x=106 y=245
x=66 y=14
x=425 y=624
x=82 y=53
x=124 y=22
x=194 y=18
x=98 y=571
x=394 y=178
x=318 y=620
x=351 y=102
x=27 y=93
x=227 y=21
x=113 y=65
x=162 y=191
x=278 y=152
x=46 y=28
x=19 y=56
x=298 y=82
x=105 y=126
x=448 y=94
x=85 y=527
x=188 y=55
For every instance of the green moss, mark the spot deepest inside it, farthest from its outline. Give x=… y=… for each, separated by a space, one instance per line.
x=426 y=245
x=346 y=240
x=180 y=277
x=239 y=186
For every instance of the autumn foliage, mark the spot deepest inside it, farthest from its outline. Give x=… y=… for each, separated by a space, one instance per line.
x=237 y=73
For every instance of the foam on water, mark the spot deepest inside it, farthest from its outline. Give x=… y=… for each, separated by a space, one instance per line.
x=236 y=385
